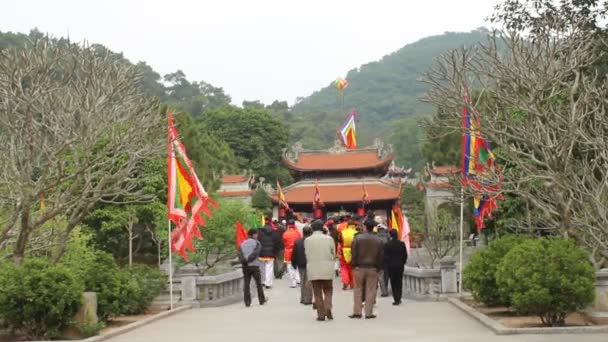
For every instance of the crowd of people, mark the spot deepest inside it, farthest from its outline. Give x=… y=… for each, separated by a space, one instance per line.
x=361 y=251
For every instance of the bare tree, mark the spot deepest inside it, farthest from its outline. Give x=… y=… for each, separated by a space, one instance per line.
x=540 y=95
x=74 y=128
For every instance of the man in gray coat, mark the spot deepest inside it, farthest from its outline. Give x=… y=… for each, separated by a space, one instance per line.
x=320 y=253
x=249 y=253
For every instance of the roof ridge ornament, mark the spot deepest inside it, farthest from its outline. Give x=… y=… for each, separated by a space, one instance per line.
x=338 y=147
x=292 y=152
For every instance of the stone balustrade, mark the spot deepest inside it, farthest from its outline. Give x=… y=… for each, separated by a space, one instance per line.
x=431 y=284
x=600 y=305
x=190 y=288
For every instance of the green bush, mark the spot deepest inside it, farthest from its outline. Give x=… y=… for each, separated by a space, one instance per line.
x=39 y=298
x=99 y=273
x=141 y=285
x=479 y=276
x=547 y=277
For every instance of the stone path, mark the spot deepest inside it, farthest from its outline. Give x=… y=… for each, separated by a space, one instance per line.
x=284 y=320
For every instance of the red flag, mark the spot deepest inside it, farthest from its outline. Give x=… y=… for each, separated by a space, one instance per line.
x=187 y=199
x=281 y=196
x=316 y=200
x=241 y=234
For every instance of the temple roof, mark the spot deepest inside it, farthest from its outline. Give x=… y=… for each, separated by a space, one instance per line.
x=229 y=179
x=351 y=160
x=445 y=170
x=338 y=158
x=347 y=192
x=235 y=193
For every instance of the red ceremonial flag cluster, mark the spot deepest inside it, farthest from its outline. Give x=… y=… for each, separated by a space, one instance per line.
x=187 y=199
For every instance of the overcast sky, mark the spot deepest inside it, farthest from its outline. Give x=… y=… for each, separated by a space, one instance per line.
x=254 y=49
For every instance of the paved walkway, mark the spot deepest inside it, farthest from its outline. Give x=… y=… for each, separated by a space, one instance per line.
x=284 y=320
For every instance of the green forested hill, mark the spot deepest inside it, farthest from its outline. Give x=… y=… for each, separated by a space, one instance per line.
x=382 y=92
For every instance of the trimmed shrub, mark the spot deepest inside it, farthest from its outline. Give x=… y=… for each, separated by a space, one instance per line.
x=549 y=278
x=479 y=276
x=38 y=298
x=141 y=284
x=100 y=274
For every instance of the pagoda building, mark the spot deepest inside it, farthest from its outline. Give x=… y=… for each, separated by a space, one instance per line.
x=343 y=177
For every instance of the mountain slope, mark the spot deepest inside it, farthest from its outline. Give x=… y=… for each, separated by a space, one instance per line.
x=382 y=91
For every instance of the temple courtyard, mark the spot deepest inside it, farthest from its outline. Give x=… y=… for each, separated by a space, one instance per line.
x=283 y=319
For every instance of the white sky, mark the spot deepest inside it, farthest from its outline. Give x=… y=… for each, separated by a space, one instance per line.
x=254 y=49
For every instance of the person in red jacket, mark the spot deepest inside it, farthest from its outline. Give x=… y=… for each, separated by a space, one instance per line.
x=289 y=240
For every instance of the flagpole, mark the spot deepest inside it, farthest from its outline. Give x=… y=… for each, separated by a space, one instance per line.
x=461 y=237
x=170 y=266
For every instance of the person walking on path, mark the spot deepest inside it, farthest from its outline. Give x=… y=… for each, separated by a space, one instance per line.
x=383 y=278
x=270 y=249
x=289 y=240
x=249 y=253
x=367 y=261
x=395 y=257
x=298 y=260
x=320 y=254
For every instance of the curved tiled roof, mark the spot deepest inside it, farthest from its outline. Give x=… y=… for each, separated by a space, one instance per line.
x=340 y=193
x=234 y=179
x=351 y=160
x=445 y=170
x=235 y=193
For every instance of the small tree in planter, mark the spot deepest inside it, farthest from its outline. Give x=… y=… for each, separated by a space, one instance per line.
x=549 y=278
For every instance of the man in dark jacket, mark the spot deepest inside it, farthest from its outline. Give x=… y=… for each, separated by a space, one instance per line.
x=395 y=257
x=249 y=253
x=367 y=261
x=270 y=248
x=298 y=260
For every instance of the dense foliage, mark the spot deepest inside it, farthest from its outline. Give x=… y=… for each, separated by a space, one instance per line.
x=479 y=276
x=144 y=283
x=100 y=274
x=38 y=299
x=261 y=200
x=255 y=136
x=547 y=277
x=219 y=238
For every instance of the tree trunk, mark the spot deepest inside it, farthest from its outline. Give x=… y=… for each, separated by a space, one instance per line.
x=19 y=252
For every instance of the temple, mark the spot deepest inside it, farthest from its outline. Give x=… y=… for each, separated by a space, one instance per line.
x=343 y=176
x=237 y=187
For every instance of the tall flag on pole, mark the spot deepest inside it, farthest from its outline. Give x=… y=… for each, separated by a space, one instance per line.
x=281 y=196
x=316 y=199
x=341 y=84
x=348 y=132
x=187 y=198
x=478 y=162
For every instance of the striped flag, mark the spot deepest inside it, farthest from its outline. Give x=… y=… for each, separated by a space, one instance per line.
x=477 y=162
x=187 y=199
x=348 y=132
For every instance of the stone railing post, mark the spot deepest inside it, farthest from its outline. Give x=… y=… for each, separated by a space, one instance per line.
x=188 y=275
x=449 y=283
x=600 y=305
